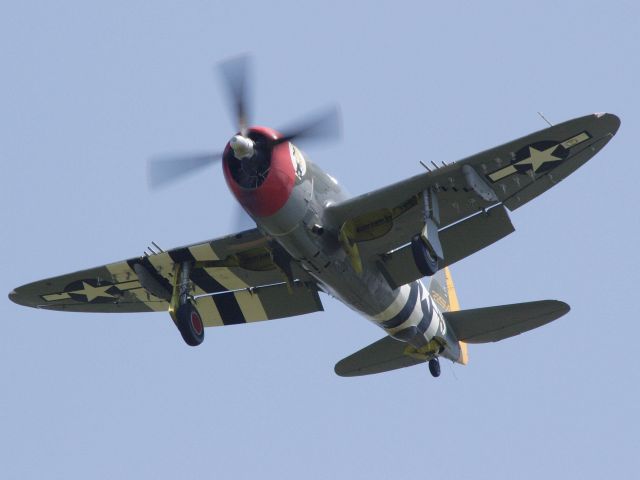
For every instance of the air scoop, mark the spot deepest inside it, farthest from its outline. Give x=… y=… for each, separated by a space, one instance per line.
x=242 y=147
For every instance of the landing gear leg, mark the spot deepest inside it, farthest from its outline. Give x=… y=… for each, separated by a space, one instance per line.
x=183 y=310
x=425 y=247
x=434 y=367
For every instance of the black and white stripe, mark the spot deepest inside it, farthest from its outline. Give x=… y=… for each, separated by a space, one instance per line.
x=411 y=315
x=226 y=304
x=406 y=311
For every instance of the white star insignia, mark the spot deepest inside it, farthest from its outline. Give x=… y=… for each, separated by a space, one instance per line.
x=92 y=292
x=537 y=158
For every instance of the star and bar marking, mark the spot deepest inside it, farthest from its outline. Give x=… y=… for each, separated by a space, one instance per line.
x=539 y=157
x=92 y=291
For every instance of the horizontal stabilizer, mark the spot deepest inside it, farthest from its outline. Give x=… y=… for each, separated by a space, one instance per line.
x=384 y=355
x=492 y=324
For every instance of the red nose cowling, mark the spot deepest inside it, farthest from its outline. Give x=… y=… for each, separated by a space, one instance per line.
x=271 y=195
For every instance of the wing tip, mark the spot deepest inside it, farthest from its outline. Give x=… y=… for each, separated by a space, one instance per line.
x=343 y=370
x=561 y=306
x=611 y=120
x=347 y=368
x=13 y=296
x=20 y=299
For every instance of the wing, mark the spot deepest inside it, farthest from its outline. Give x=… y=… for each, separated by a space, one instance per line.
x=237 y=279
x=511 y=174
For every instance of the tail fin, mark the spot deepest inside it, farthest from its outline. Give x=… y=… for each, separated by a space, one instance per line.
x=443 y=292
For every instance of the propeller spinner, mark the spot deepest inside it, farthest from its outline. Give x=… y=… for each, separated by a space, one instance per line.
x=242 y=147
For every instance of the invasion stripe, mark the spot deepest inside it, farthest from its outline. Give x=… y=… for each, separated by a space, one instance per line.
x=427 y=314
x=123 y=272
x=222 y=275
x=227 y=304
x=163 y=266
x=406 y=311
x=251 y=306
x=408 y=331
x=395 y=307
x=210 y=315
x=198 y=275
x=433 y=326
x=130 y=285
x=416 y=314
x=146 y=263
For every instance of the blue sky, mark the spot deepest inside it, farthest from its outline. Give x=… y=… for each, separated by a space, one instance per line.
x=89 y=91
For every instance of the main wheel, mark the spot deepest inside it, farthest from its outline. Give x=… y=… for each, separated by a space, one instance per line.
x=434 y=367
x=426 y=262
x=190 y=324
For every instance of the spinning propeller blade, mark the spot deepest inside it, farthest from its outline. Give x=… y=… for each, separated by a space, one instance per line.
x=325 y=125
x=164 y=170
x=235 y=76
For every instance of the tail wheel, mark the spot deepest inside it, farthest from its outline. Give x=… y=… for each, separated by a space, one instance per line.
x=190 y=324
x=434 y=367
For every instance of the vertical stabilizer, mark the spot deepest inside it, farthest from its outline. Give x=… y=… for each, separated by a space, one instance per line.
x=443 y=293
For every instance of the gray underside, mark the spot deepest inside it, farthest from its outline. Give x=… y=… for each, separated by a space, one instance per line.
x=382 y=356
x=492 y=324
x=457 y=202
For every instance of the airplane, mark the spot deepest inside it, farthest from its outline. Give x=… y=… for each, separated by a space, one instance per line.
x=371 y=252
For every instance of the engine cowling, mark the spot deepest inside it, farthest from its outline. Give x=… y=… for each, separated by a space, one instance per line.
x=262 y=183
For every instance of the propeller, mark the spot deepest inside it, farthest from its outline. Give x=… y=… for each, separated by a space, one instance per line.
x=235 y=73
x=165 y=169
x=324 y=125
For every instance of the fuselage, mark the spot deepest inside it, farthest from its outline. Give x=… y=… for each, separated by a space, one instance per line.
x=288 y=204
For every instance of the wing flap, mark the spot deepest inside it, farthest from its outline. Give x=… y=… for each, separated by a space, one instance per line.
x=492 y=324
x=475 y=233
x=257 y=304
x=458 y=241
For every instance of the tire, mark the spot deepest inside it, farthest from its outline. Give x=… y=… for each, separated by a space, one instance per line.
x=427 y=264
x=434 y=367
x=190 y=324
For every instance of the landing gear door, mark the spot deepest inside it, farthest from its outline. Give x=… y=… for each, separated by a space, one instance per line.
x=429 y=233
